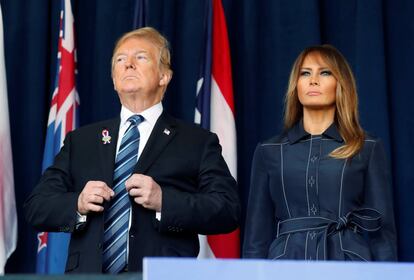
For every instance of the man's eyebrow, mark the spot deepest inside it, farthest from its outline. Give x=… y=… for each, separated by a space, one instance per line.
x=138 y=51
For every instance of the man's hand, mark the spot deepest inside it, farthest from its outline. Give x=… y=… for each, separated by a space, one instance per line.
x=92 y=196
x=145 y=191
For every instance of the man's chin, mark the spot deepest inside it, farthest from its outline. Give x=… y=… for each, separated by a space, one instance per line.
x=129 y=91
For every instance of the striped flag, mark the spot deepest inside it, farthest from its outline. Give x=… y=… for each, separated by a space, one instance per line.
x=53 y=247
x=8 y=216
x=215 y=111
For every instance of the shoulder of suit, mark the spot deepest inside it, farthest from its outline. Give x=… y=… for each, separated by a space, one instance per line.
x=188 y=126
x=93 y=127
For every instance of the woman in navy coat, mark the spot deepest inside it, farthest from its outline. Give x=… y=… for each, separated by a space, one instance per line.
x=321 y=190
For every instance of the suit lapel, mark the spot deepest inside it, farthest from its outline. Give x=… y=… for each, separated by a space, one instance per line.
x=162 y=133
x=107 y=149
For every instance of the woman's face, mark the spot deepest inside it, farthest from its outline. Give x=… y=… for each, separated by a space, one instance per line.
x=316 y=85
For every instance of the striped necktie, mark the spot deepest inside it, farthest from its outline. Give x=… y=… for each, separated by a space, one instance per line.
x=116 y=221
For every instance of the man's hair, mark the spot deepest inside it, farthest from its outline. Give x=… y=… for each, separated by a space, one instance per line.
x=346 y=114
x=152 y=35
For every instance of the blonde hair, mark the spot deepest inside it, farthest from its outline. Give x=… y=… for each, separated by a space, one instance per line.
x=346 y=114
x=152 y=35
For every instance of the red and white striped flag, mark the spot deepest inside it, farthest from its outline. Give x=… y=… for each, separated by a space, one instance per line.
x=215 y=111
x=8 y=216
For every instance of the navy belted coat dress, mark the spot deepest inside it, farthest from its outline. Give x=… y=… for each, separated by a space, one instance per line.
x=304 y=204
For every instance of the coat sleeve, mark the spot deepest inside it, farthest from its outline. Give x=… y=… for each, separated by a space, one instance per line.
x=52 y=205
x=379 y=195
x=260 y=227
x=214 y=207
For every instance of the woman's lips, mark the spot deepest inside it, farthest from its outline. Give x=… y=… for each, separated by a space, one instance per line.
x=313 y=93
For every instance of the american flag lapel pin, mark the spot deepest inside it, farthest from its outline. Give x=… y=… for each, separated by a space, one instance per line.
x=167 y=131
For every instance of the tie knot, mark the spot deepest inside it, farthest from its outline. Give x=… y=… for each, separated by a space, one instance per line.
x=135 y=119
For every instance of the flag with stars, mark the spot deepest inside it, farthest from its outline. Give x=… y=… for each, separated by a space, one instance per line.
x=215 y=111
x=52 y=247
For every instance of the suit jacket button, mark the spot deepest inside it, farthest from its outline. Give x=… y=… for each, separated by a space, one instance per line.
x=100 y=245
x=131 y=235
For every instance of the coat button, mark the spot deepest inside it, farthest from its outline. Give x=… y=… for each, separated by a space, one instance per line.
x=100 y=245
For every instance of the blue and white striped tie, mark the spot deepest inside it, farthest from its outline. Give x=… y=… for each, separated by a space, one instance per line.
x=117 y=216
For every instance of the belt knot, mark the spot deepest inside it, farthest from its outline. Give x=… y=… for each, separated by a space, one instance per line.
x=342 y=223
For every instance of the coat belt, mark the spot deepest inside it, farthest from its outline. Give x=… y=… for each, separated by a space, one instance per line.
x=364 y=219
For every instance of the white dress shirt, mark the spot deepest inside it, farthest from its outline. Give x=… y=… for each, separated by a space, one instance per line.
x=150 y=115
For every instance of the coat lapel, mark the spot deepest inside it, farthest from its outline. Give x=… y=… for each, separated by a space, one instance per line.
x=107 y=149
x=162 y=133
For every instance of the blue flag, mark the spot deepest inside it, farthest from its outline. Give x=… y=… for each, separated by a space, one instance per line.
x=53 y=247
x=202 y=110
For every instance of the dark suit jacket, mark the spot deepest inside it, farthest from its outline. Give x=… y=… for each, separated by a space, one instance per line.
x=199 y=196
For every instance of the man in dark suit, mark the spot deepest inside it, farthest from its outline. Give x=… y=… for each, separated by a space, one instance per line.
x=178 y=186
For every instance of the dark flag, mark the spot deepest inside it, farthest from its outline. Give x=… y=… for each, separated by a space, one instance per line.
x=139 y=14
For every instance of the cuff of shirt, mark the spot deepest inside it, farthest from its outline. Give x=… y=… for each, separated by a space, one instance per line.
x=80 y=220
x=158 y=216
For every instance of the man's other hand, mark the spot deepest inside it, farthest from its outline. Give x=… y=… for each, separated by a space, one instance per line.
x=92 y=196
x=145 y=191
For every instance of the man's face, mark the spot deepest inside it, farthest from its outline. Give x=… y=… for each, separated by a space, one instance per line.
x=136 y=71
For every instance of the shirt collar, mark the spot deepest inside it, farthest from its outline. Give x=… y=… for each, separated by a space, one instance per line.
x=150 y=115
x=297 y=133
x=333 y=133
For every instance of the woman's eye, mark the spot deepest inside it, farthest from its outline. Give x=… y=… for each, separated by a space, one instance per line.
x=326 y=73
x=304 y=73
